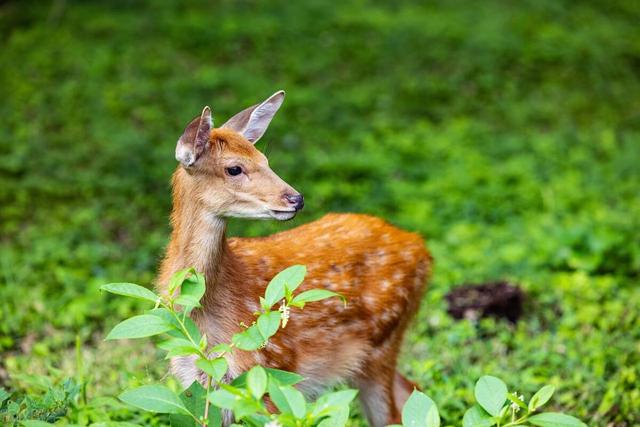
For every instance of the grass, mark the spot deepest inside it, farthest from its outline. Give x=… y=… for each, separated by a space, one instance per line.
x=508 y=134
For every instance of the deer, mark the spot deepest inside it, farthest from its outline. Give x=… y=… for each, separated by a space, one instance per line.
x=381 y=270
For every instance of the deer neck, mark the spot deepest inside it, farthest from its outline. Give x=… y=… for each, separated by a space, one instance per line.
x=198 y=237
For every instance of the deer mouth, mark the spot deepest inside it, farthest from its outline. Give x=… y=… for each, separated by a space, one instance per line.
x=283 y=215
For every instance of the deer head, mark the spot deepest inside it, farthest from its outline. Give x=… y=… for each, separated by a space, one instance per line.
x=227 y=173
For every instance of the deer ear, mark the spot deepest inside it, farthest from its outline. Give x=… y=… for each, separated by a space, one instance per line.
x=254 y=121
x=194 y=140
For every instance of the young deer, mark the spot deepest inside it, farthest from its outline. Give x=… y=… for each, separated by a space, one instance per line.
x=380 y=269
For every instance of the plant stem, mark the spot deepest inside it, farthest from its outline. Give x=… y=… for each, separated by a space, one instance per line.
x=206 y=402
x=516 y=422
x=184 y=329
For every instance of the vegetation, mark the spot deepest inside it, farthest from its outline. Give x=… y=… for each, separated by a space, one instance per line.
x=508 y=134
x=205 y=401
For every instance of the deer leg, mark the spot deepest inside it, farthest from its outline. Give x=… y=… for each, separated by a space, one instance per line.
x=376 y=397
x=376 y=384
x=402 y=389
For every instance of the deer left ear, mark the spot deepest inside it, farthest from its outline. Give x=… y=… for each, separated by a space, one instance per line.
x=254 y=121
x=194 y=140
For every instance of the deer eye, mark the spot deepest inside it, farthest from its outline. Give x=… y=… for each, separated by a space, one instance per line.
x=234 y=170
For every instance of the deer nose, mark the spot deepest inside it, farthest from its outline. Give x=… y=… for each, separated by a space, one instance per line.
x=295 y=200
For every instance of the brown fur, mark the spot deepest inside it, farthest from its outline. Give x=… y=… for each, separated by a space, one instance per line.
x=380 y=269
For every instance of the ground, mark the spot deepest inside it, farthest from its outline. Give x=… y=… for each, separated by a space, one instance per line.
x=506 y=133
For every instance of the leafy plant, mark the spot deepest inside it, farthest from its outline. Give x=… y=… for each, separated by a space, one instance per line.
x=496 y=406
x=30 y=408
x=245 y=396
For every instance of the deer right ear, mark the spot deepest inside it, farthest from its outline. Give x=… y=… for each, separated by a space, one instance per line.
x=194 y=140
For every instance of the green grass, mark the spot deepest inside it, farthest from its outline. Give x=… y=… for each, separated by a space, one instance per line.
x=507 y=133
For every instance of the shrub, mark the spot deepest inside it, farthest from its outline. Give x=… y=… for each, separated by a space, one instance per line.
x=201 y=405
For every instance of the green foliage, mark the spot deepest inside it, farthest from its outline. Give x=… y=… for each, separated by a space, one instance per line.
x=554 y=419
x=155 y=398
x=541 y=397
x=420 y=411
x=283 y=283
x=130 y=290
x=194 y=399
x=477 y=417
x=29 y=409
x=313 y=295
x=244 y=396
x=506 y=134
x=491 y=392
x=142 y=326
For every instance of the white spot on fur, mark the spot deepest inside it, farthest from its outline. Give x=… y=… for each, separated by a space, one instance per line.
x=369 y=300
x=407 y=256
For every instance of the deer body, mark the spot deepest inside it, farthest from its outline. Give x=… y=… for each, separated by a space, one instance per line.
x=380 y=269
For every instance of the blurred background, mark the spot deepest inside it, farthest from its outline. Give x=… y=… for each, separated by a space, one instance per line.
x=505 y=132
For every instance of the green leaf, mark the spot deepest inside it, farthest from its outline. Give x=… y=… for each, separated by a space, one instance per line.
x=330 y=402
x=240 y=381
x=314 y=295
x=555 y=419
x=420 y=411
x=477 y=417
x=275 y=375
x=131 y=290
x=165 y=315
x=178 y=278
x=180 y=351
x=293 y=276
x=338 y=418
x=289 y=278
x=216 y=368
x=503 y=412
x=189 y=324
x=178 y=347
x=250 y=339
x=144 y=325
x=256 y=419
x=221 y=348
x=541 y=397
x=155 y=398
x=202 y=345
x=175 y=342
x=192 y=328
x=245 y=407
x=268 y=324
x=257 y=381
x=192 y=291
x=223 y=398
x=194 y=399
x=287 y=294
x=288 y=400
x=4 y=395
x=283 y=377
x=491 y=394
